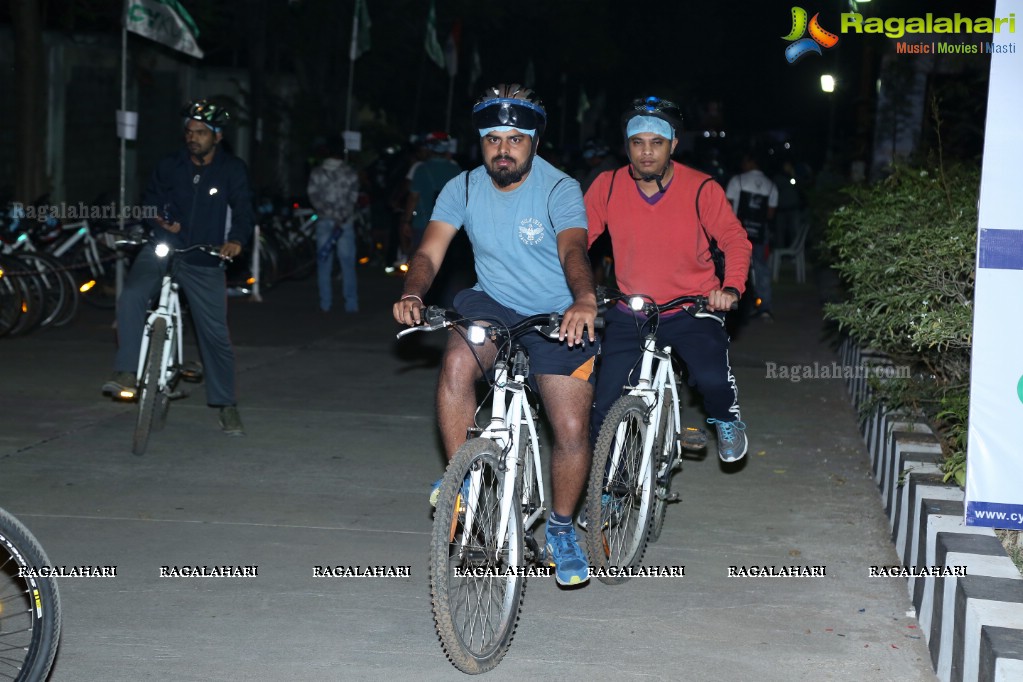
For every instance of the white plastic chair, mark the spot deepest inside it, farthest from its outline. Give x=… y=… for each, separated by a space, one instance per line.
x=796 y=251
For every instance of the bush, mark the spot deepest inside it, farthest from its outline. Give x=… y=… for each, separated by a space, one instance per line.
x=905 y=249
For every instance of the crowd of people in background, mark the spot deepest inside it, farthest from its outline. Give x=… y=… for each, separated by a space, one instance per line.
x=400 y=183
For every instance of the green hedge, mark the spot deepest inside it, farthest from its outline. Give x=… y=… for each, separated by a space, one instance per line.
x=905 y=249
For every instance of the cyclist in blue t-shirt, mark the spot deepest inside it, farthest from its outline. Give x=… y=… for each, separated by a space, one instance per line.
x=527 y=225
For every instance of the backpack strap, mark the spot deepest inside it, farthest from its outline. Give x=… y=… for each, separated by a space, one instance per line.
x=550 y=221
x=611 y=187
x=467 y=189
x=698 y=217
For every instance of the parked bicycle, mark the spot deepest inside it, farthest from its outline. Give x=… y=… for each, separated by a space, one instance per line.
x=29 y=605
x=638 y=448
x=39 y=291
x=489 y=501
x=91 y=255
x=161 y=357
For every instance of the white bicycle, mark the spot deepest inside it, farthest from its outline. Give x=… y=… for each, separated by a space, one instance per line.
x=638 y=448
x=489 y=501
x=161 y=357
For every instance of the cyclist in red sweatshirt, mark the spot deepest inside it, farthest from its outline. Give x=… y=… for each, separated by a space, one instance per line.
x=661 y=242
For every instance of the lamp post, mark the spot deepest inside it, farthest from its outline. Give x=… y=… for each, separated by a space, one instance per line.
x=828 y=88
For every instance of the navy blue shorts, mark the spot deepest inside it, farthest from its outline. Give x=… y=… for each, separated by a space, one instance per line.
x=546 y=356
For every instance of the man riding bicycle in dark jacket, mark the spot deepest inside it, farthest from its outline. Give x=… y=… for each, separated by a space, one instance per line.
x=201 y=195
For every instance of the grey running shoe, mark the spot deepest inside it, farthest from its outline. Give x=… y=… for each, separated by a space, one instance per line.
x=231 y=421
x=121 y=385
x=732 y=441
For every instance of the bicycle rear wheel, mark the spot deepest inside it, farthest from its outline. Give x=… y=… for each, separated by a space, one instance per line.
x=619 y=495
x=29 y=606
x=12 y=293
x=31 y=295
x=476 y=586
x=57 y=292
x=150 y=386
x=667 y=451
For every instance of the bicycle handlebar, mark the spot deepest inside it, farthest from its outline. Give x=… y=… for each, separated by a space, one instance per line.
x=649 y=307
x=210 y=249
x=548 y=324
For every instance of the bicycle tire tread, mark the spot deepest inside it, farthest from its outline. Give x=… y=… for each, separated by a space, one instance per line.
x=43 y=648
x=450 y=489
x=620 y=409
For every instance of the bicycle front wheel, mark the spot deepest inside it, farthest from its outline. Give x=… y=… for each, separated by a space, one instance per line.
x=29 y=605
x=620 y=495
x=476 y=579
x=149 y=386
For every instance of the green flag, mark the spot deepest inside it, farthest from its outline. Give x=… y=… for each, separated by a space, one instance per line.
x=433 y=48
x=360 y=30
x=164 y=21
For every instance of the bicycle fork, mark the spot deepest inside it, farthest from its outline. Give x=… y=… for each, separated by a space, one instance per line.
x=506 y=417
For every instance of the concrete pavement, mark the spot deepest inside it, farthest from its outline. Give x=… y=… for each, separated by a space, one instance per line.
x=335 y=470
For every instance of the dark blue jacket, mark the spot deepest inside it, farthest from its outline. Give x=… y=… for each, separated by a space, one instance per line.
x=214 y=209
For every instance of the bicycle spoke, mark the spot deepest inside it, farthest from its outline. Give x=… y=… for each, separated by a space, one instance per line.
x=620 y=493
x=476 y=597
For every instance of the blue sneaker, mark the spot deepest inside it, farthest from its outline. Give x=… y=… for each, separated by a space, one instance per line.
x=732 y=442
x=610 y=510
x=435 y=491
x=566 y=556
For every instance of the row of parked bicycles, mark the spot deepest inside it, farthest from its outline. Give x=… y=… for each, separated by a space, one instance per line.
x=48 y=268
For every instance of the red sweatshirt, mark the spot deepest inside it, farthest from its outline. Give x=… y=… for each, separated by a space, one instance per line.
x=659 y=249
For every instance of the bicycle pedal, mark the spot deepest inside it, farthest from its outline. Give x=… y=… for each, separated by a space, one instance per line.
x=532 y=548
x=177 y=393
x=191 y=371
x=667 y=498
x=693 y=438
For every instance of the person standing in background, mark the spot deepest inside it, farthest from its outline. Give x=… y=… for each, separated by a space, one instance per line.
x=333 y=190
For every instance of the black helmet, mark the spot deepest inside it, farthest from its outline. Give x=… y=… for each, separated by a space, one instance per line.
x=509 y=105
x=207 y=112
x=657 y=108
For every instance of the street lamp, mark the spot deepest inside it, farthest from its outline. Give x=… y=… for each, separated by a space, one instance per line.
x=828 y=87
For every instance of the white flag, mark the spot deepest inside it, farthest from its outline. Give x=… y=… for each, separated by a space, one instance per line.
x=164 y=21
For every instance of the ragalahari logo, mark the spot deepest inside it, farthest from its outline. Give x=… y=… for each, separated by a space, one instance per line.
x=801 y=46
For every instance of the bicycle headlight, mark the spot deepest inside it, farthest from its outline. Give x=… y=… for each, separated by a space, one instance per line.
x=636 y=303
x=162 y=250
x=477 y=335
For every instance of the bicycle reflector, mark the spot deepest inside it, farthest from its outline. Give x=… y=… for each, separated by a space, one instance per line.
x=636 y=303
x=162 y=250
x=477 y=335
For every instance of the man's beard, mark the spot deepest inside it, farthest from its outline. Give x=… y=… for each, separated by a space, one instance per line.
x=504 y=177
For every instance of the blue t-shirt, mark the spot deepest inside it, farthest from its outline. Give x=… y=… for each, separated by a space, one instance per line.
x=514 y=234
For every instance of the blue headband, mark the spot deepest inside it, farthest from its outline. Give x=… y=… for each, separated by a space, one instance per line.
x=505 y=129
x=649 y=124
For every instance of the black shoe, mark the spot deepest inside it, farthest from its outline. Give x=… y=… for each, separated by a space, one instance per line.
x=121 y=385
x=231 y=421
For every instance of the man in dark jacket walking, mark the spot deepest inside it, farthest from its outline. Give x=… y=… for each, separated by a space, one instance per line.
x=202 y=196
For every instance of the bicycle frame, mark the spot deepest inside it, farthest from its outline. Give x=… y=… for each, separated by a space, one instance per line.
x=509 y=412
x=82 y=231
x=649 y=387
x=169 y=308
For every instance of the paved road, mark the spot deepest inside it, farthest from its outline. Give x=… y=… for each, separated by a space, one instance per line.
x=335 y=470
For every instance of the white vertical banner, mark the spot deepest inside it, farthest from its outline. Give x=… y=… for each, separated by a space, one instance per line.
x=994 y=471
